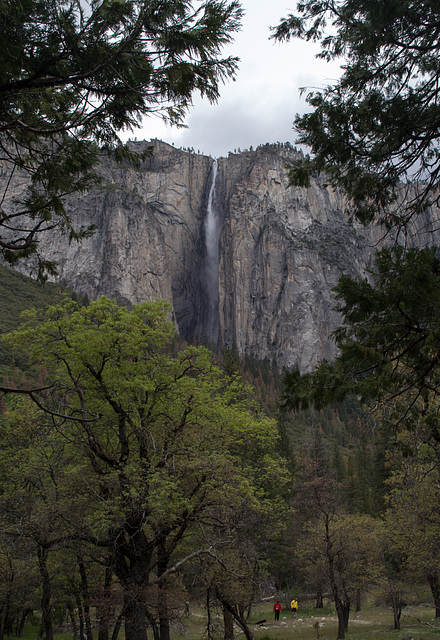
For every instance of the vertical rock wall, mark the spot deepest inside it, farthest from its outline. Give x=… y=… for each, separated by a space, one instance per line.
x=281 y=249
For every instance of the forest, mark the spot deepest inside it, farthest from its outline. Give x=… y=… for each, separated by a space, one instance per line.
x=141 y=476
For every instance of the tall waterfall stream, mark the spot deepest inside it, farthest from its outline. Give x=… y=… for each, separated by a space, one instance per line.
x=213 y=227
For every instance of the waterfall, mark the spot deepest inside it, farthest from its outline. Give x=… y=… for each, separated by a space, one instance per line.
x=212 y=237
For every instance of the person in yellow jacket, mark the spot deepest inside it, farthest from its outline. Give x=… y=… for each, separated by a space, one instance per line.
x=294 y=607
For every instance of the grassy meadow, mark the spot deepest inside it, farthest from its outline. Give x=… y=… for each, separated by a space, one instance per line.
x=371 y=623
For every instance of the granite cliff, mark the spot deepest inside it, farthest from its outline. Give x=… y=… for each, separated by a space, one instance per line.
x=245 y=260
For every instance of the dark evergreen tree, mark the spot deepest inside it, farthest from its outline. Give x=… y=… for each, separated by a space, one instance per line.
x=376 y=130
x=338 y=462
x=75 y=73
x=380 y=474
x=388 y=341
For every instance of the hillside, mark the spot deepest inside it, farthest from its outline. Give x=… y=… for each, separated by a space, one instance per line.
x=18 y=293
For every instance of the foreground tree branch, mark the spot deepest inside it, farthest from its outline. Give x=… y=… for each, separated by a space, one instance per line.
x=376 y=130
x=74 y=75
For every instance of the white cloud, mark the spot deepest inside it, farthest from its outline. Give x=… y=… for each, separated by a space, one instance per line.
x=261 y=104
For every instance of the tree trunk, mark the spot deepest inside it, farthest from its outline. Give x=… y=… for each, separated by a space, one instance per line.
x=434 y=584
x=319 y=603
x=71 y=611
x=228 y=622
x=22 y=621
x=86 y=597
x=135 y=612
x=153 y=624
x=342 y=604
x=208 y=613
x=118 y=624
x=343 y=611
x=46 y=596
x=164 y=618
x=358 y=600
x=397 y=611
x=341 y=619
x=163 y=558
x=396 y=602
x=340 y=609
x=104 y=608
x=5 y=623
x=346 y=610
x=237 y=617
x=131 y=565
x=82 y=633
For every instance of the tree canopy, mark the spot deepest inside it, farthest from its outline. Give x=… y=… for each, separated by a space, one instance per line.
x=376 y=129
x=166 y=458
x=74 y=74
x=374 y=134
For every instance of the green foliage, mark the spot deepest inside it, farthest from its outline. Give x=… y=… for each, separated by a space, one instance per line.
x=377 y=126
x=388 y=354
x=73 y=75
x=18 y=293
x=374 y=135
x=163 y=454
x=355 y=452
x=388 y=341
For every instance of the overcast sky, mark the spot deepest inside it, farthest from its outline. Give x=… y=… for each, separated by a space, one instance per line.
x=261 y=104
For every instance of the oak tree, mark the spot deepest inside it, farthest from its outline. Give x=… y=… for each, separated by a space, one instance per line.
x=413 y=516
x=344 y=550
x=166 y=447
x=38 y=478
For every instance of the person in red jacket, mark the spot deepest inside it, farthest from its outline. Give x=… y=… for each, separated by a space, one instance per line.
x=277 y=609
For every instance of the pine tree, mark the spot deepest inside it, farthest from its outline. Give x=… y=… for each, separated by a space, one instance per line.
x=73 y=75
x=375 y=130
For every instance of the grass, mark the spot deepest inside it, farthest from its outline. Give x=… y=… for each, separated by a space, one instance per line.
x=372 y=623
x=18 y=293
x=369 y=624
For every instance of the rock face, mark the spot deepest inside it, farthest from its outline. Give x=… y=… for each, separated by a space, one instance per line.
x=245 y=260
